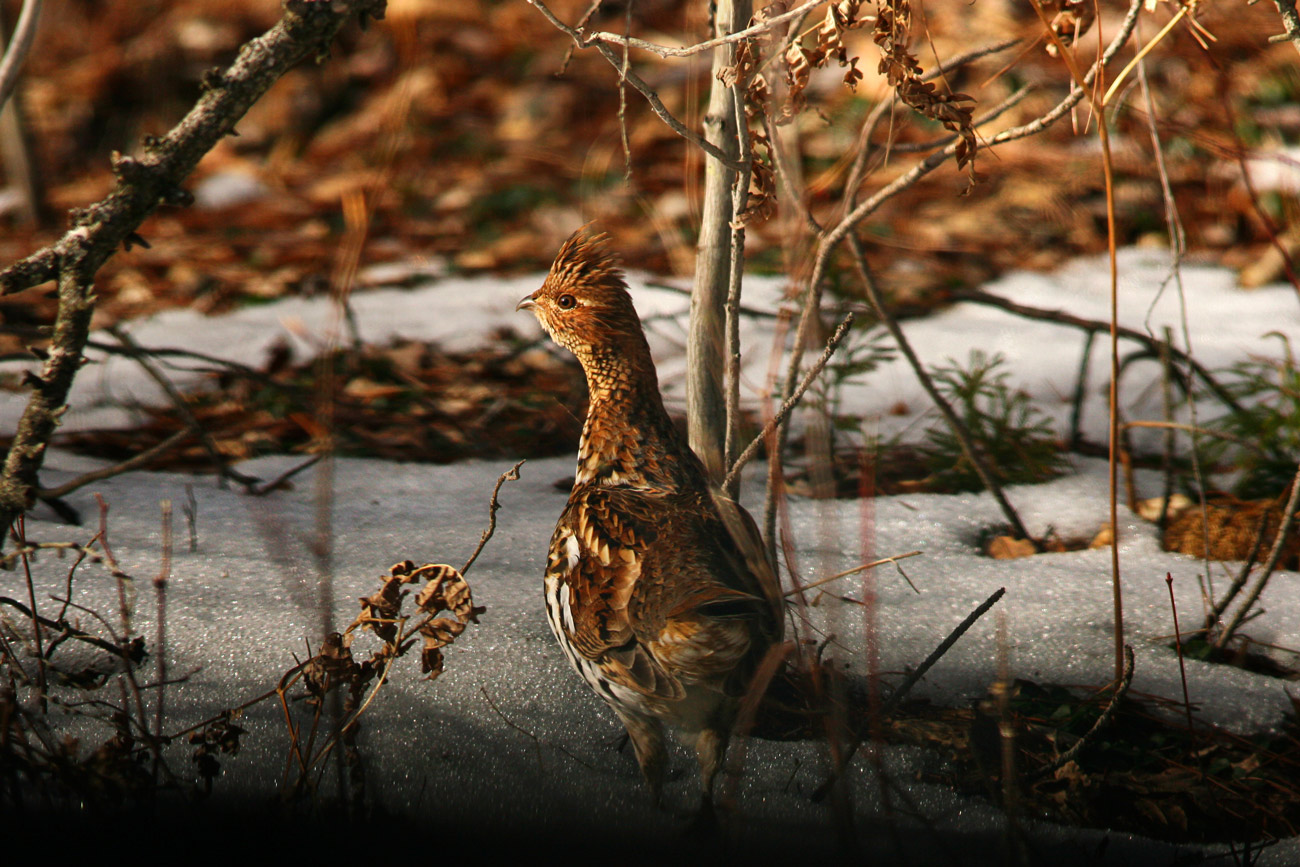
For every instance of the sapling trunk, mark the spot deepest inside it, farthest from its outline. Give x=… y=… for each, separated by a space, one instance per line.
x=705 y=403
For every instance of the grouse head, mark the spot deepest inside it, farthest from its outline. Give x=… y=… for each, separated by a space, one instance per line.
x=584 y=304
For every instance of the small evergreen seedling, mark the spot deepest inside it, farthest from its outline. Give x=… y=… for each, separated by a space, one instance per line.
x=1268 y=391
x=1015 y=438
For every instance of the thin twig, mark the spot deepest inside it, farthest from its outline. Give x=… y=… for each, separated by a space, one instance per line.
x=20 y=43
x=699 y=47
x=847 y=572
x=912 y=680
x=790 y=403
x=224 y=470
x=636 y=81
x=915 y=677
x=731 y=328
x=1098 y=104
x=1217 y=608
x=36 y=620
x=160 y=642
x=1178 y=646
x=131 y=463
x=1189 y=428
x=1274 y=557
x=1126 y=680
x=62 y=627
x=1095 y=326
x=1177 y=249
x=1080 y=391
x=1170 y=438
x=943 y=67
x=537 y=745
x=955 y=423
x=276 y=483
x=494 y=504
x=622 y=97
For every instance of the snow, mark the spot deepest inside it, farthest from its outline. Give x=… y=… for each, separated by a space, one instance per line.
x=509 y=731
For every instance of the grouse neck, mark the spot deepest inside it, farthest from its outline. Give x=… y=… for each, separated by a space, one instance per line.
x=628 y=438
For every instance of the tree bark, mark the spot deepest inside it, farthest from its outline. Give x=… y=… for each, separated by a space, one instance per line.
x=144 y=182
x=705 y=404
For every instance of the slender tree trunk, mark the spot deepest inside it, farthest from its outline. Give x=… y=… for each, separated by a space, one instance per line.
x=16 y=152
x=705 y=404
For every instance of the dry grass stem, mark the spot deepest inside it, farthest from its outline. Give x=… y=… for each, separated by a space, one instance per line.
x=854 y=571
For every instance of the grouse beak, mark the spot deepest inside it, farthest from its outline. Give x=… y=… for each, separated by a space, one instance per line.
x=526 y=304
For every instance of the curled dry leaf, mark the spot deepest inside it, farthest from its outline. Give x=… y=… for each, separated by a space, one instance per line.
x=220 y=736
x=445 y=590
x=380 y=610
x=1069 y=19
x=334 y=664
x=903 y=71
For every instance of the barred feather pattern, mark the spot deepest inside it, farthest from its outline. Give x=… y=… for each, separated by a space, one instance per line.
x=657 y=587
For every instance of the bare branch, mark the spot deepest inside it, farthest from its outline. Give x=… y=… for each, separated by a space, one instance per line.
x=1290 y=20
x=958 y=427
x=639 y=83
x=971 y=56
x=831 y=240
x=143 y=182
x=700 y=47
x=20 y=43
x=1096 y=326
x=125 y=466
x=788 y=406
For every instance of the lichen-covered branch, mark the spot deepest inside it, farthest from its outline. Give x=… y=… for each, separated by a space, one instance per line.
x=1290 y=20
x=145 y=181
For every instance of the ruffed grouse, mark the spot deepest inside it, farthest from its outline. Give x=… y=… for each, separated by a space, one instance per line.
x=657 y=585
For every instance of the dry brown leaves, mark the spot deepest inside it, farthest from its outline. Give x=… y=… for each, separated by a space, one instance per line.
x=1231 y=529
x=445 y=589
x=406 y=401
x=1143 y=773
x=903 y=71
x=469 y=149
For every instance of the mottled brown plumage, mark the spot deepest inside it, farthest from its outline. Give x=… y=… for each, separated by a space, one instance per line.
x=657 y=585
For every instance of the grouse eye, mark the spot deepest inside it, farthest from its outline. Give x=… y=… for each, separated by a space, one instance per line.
x=567 y=302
